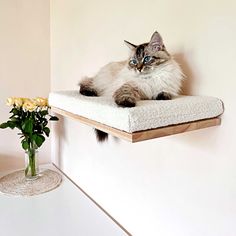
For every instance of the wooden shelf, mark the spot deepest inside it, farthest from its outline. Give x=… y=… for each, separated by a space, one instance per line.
x=145 y=134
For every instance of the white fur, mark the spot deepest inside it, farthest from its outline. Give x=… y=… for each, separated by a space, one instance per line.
x=167 y=77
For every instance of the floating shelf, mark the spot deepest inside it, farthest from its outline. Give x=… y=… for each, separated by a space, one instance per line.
x=147 y=120
x=145 y=134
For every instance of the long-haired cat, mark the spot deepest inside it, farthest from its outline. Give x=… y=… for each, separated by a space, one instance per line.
x=149 y=73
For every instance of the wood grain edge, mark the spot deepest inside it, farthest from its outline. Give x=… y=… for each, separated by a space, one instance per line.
x=145 y=134
x=108 y=129
x=174 y=129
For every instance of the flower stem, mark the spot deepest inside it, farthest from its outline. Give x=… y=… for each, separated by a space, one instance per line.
x=31 y=169
x=32 y=162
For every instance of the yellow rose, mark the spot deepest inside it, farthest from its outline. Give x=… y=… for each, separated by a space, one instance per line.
x=29 y=106
x=18 y=102
x=10 y=101
x=26 y=99
x=41 y=102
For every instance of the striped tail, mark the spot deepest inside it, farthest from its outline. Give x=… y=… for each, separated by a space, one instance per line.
x=101 y=136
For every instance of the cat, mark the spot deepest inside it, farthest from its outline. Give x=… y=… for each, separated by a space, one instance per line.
x=150 y=73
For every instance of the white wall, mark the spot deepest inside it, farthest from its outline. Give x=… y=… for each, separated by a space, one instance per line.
x=180 y=185
x=24 y=67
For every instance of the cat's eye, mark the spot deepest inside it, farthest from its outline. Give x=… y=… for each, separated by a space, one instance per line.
x=133 y=62
x=147 y=59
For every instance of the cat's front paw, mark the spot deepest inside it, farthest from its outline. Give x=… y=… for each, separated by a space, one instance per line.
x=163 y=96
x=125 y=101
x=86 y=91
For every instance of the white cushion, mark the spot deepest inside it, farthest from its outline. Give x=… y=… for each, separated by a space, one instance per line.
x=146 y=115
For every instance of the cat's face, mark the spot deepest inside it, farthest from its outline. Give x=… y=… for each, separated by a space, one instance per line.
x=146 y=57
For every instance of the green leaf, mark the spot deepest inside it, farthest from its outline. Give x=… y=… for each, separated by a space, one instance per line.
x=28 y=126
x=11 y=124
x=54 y=118
x=15 y=111
x=25 y=144
x=14 y=119
x=3 y=126
x=39 y=139
x=46 y=131
x=44 y=113
x=44 y=123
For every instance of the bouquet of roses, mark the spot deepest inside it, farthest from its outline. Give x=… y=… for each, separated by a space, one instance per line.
x=31 y=117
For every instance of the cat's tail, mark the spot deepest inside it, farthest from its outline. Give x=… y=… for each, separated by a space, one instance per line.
x=101 y=136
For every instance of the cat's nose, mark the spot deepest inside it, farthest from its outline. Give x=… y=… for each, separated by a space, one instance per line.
x=139 y=68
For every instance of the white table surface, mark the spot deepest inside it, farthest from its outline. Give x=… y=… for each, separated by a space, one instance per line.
x=65 y=211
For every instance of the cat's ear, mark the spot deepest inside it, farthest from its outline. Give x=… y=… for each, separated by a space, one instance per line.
x=156 y=42
x=130 y=45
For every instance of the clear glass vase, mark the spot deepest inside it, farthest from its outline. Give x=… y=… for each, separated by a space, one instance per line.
x=31 y=164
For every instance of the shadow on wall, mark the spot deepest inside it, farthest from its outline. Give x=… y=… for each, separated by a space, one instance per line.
x=8 y=162
x=198 y=138
x=187 y=88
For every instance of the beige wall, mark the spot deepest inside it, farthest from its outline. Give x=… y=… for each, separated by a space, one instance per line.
x=24 y=66
x=180 y=185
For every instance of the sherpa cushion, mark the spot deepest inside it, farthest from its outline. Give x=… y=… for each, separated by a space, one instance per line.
x=146 y=115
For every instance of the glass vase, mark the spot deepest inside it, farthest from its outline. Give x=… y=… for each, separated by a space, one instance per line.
x=31 y=164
